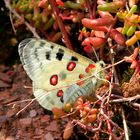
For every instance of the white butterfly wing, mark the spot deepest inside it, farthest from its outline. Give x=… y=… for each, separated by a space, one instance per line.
x=50 y=99
x=43 y=60
x=51 y=66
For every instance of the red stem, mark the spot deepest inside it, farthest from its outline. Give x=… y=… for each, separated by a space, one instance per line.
x=107 y=35
x=88 y=3
x=60 y=23
x=94 y=9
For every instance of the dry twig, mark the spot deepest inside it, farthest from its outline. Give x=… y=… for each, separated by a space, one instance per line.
x=32 y=29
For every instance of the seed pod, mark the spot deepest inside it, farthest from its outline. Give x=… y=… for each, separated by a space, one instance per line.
x=134 y=19
x=41 y=3
x=134 y=64
x=79 y=101
x=99 y=28
x=59 y=2
x=36 y=15
x=23 y=8
x=87 y=109
x=125 y=29
x=83 y=114
x=91 y=118
x=121 y=15
x=58 y=113
x=67 y=107
x=31 y=4
x=132 y=2
x=117 y=36
x=49 y=24
x=97 y=42
x=137 y=33
x=84 y=120
x=131 y=30
x=44 y=16
x=28 y=16
x=97 y=22
x=68 y=130
x=135 y=53
x=112 y=6
x=131 y=41
x=56 y=37
x=104 y=14
x=99 y=34
x=88 y=49
x=18 y=23
x=79 y=107
x=88 y=24
x=132 y=11
x=93 y=111
x=37 y=23
x=72 y=5
x=99 y=2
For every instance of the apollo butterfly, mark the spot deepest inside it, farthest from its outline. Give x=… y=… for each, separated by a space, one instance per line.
x=55 y=72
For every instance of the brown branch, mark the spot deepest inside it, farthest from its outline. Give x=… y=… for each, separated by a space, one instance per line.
x=105 y=116
x=129 y=99
x=60 y=23
x=85 y=127
x=88 y=4
x=94 y=8
x=11 y=20
x=135 y=105
x=8 y=5
x=125 y=126
x=25 y=107
x=19 y=102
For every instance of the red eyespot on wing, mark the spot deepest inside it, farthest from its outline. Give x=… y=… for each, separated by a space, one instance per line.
x=80 y=83
x=81 y=76
x=87 y=70
x=91 y=66
x=71 y=66
x=59 y=93
x=54 y=80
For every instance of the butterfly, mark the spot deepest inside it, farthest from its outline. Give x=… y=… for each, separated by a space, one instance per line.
x=59 y=75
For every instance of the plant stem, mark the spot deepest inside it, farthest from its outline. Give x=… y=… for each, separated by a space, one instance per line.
x=60 y=23
x=125 y=126
x=94 y=8
x=32 y=29
x=88 y=4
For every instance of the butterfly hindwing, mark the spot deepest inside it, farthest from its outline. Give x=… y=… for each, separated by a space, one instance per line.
x=52 y=98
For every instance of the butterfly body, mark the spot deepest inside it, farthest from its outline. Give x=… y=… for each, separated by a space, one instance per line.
x=55 y=72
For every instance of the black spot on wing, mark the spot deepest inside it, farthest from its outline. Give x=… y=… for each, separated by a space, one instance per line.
x=61 y=99
x=42 y=44
x=60 y=54
x=52 y=47
x=73 y=58
x=48 y=55
x=36 y=54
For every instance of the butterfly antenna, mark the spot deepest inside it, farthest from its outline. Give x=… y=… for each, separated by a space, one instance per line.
x=95 y=53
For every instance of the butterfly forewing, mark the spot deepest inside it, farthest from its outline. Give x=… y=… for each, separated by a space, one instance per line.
x=50 y=65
